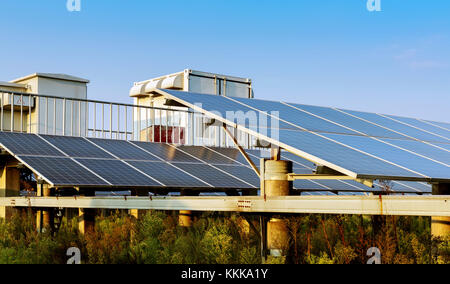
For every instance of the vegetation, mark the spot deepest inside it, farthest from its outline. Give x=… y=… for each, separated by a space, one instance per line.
x=222 y=239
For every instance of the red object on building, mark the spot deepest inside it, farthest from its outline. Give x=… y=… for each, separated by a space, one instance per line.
x=166 y=134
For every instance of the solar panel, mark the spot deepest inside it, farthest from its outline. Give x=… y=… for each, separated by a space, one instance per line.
x=62 y=171
x=407 y=160
x=342 y=156
x=397 y=126
x=77 y=147
x=168 y=175
x=206 y=155
x=166 y=152
x=435 y=152
x=422 y=125
x=213 y=176
x=242 y=172
x=363 y=158
x=348 y=121
x=124 y=150
x=27 y=144
x=294 y=116
x=442 y=125
x=118 y=173
x=236 y=155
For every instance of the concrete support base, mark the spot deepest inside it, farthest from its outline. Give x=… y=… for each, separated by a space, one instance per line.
x=45 y=217
x=440 y=226
x=9 y=186
x=136 y=213
x=276 y=183
x=86 y=217
x=185 y=219
x=185 y=216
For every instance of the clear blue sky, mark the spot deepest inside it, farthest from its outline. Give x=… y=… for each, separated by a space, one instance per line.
x=321 y=52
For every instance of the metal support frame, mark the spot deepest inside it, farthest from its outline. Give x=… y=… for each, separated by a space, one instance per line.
x=247 y=158
x=360 y=205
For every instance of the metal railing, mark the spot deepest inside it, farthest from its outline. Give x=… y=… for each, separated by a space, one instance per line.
x=53 y=115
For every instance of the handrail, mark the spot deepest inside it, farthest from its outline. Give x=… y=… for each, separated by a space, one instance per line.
x=89 y=101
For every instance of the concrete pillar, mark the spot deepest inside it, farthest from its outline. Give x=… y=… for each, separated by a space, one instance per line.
x=276 y=183
x=86 y=217
x=136 y=213
x=44 y=217
x=440 y=226
x=185 y=216
x=9 y=186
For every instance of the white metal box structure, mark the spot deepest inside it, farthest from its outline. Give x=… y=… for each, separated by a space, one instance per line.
x=197 y=82
x=186 y=129
x=63 y=114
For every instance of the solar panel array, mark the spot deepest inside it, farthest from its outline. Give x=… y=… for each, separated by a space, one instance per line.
x=358 y=144
x=83 y=162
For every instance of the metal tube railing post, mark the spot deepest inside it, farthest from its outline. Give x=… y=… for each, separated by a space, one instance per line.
x=95 y=120
x=133 y=115
x=86 y=117
x=29 y=113
x=126 y=123
x=103 y=120
x=21 y=113
x=64 y=118
x=147 y=134
x=12 y=113
x=79 y=118
x=118 y=122
x=54 y=116
x=110 y=121
x=46 y=116
x=2 y=118
x=71 y=117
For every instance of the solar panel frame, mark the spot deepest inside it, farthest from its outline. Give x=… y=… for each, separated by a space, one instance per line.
x=169 y=175
x=76 y=147
x=213 y=176
x=61 y=171
x=374 y=167
x=118 y=173
x=123 y=149
x=28 y=144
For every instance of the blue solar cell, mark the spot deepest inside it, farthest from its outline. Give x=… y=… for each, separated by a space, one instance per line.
x=423 y=149
x=206 y=155
x=349 y=121
x=166 y=152
x=28 y=144
x=63 y=171
x=342 y=156
x=422 y=125
x=295 y=116
x=442 y=125
x=77 y=147
x=397 y=126
x=124 y=150
x=212 y=176
x=168 y=175
x=230 y=110
x=400 y=157
x=243 y=173
x=118 y=173
x=308 y=185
